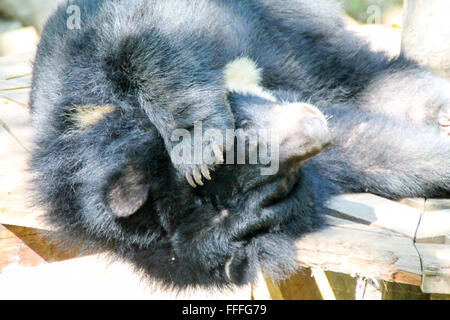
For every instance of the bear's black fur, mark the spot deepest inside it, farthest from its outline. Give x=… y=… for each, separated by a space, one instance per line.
x=140 y=69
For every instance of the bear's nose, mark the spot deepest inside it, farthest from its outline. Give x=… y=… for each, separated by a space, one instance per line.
x=302 y=131
x=316 y=130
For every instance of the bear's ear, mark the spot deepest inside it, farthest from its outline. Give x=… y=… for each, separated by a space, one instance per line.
x=128 y=192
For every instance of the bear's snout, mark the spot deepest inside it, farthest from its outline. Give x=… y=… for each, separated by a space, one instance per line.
x=302 y=131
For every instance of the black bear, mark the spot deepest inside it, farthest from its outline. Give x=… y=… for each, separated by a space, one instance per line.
x=108 y=95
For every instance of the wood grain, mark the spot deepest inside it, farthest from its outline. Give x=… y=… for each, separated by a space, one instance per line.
x=352 y=248
x=376 y=211
x=436 y=267
x=14 y=252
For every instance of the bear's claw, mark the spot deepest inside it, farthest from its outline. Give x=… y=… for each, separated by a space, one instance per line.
x=205 y=172
x=195 y=177
x=194 y=174
x=212 y=155
x=190 y=180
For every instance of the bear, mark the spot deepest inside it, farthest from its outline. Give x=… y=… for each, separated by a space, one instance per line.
x=108 y=96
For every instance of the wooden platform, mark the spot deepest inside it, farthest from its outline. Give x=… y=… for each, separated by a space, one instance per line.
x=372 y=248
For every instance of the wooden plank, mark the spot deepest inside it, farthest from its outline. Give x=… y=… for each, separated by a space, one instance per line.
x=19 y=97
x=343 y=285
x=300 y=286
x=439 y=296
x=435 y=222
x=18 y=120
x=360 y=250
x=272 y=287
x=46 y=244
x=16 y=89
x=323 y=284
x=18 y=82
x=376 y=211
x=15 y=204
x=351 y=226
x=401 y=291
x=15 y=73
x=434 y=227
x=418 y=203
x=16 y=207
x=17 y=65
x=260 y=291
x=437 y=204
x=14 y=252
x=22 y=217
x=306 y=284
x=436 y=267
x=18 y=41
x=367 y=289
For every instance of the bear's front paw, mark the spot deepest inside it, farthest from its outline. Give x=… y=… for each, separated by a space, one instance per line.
x=444 y=120
x=196 y=162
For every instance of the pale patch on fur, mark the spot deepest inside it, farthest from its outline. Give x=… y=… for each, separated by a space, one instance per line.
x=243 y=76
x=88 y=115
x=222 y=216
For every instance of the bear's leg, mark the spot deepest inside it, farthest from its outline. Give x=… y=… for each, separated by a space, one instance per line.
x=185 y=119
x=378 y=154
x=411 y=95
